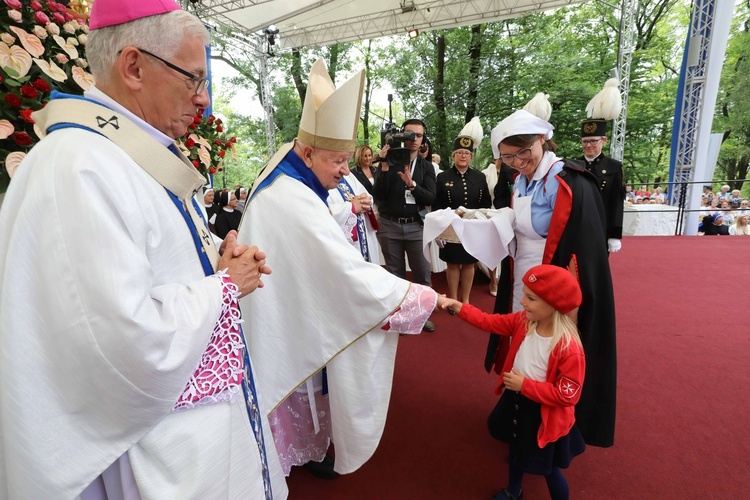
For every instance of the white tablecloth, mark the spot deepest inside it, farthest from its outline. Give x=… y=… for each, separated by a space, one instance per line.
x=649 y=220
x=487 y=240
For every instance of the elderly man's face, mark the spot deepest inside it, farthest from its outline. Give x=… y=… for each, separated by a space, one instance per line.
x=170 y=98
x=328 y=166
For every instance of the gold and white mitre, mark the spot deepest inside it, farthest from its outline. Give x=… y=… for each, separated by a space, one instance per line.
x=330 y=117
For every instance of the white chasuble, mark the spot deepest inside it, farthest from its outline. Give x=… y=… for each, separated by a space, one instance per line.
x=105 y=312
x=323 y=305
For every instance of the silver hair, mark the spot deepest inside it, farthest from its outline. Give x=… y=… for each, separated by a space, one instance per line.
x=162 y=34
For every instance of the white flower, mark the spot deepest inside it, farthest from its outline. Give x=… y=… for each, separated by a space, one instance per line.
x=31 y=43
x=84 y=28
x=83 y=38
x=83 y=79
x=53 y=29
x=72 y=41
x=7 y=38
x=15 y=15
x=67 y=47
x=13 y=160
x=82 y=63
x=15 y=58
x=69 y=28
x=40 y=32
x=6 y=129
x=62 y=58
x=52 y=70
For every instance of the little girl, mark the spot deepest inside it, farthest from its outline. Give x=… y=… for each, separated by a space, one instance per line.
x=541 y=380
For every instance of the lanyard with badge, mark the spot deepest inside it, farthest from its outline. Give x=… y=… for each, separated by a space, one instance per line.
x=408 y=195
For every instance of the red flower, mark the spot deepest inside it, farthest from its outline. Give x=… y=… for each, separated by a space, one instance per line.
x=212 y=170
x=228 y=144
x=29 y=91
x=218 y=121
x=233 y=139
x=197 y=119
x=13 y=100
x=219 y=128
x=211 y=118
x=41 y=85
x=192 y=126
x=196 y=164
x=189 y=143
x=26 y=115
x=222 y=153
x=41 y=18
x=217 y=142
x=22 y=139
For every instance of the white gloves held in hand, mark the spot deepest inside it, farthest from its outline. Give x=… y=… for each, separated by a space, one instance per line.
x=614 y=245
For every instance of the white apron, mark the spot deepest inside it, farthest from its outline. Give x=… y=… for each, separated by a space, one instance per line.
x=529 y=245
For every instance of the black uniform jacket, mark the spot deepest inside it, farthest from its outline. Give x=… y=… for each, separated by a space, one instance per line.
x=577 y=239
x=609 y=178
x=468 y=190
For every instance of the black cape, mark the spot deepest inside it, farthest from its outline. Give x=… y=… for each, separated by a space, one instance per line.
x=577 y=235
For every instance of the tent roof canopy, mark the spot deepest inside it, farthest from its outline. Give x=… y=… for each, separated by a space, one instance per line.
x=323 y=22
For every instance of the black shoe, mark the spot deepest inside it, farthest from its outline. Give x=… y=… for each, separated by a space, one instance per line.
x=507 y=495
x=429 y=326
x=323 y=469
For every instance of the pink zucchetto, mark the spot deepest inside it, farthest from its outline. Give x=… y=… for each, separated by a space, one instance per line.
x=113 y=12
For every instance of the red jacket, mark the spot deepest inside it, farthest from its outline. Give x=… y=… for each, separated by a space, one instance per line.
x=559 y=394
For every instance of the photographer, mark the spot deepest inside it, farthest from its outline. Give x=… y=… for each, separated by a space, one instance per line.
x=402 y=190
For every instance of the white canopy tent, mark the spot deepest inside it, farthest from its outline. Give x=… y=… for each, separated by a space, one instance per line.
x=323 y=22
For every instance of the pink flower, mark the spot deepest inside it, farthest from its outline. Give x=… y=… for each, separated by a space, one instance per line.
x=62 y=58
x=68 y=16
x=13 y=4
x=41 y=18
x=15 y=15
x=58 y=18
x=7 y=38
x=36 y=6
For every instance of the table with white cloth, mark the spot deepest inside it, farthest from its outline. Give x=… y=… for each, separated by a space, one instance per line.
x=649 y=220
x=489 y=239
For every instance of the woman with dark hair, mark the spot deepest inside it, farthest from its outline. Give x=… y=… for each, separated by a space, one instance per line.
x=227 y=218
x=559 y=220
x=713 y=225
x=461 y=186
x=363 y=169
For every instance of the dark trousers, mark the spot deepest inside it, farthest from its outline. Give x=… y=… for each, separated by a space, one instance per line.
x=397 y=240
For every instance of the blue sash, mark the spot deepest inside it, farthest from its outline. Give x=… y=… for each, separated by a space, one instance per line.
x=346 y=192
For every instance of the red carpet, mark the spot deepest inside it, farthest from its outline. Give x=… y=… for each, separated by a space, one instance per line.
x=683 y=428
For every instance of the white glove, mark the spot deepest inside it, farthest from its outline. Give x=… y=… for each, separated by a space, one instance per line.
x=614 y=245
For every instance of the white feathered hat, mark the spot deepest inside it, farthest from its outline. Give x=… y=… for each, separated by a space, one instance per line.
x=470 y=136
x=605 y=106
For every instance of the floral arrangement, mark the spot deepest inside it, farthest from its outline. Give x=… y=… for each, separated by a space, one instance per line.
x=206 y=145
x=41 y=49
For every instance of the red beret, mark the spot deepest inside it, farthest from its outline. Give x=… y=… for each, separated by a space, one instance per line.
x=555 y=285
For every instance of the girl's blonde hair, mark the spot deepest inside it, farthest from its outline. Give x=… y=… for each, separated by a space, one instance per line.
x=564 y=330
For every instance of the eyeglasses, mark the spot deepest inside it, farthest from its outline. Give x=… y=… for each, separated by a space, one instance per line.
x=523 y=154
x=590 y=142
x=462 y=152
x=200 y=83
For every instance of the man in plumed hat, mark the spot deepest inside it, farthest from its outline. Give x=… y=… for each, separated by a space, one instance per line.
x=605 y=106
x=124 y=370
x=325 y=306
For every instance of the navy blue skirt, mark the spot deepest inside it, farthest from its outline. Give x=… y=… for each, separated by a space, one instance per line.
x=454 y=253
x=516 y=420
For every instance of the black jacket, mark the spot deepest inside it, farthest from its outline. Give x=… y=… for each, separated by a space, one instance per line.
x=455 y=190
x=609 y=178
x=389 y=190
x=362 y=178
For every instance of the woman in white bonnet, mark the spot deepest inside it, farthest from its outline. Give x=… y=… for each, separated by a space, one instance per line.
x=560 y=221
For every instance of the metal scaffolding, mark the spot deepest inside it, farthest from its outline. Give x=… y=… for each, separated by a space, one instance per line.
x=624 y=58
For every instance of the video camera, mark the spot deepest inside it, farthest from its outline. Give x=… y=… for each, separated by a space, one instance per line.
x=397 y=155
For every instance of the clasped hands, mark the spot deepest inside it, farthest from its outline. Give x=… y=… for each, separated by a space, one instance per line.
x=362 y=203
x=244 y=264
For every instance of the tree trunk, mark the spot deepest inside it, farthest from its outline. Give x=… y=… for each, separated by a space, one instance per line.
x=439 y=142
x=297 y=76
x=368 y=90
x=475 y=54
